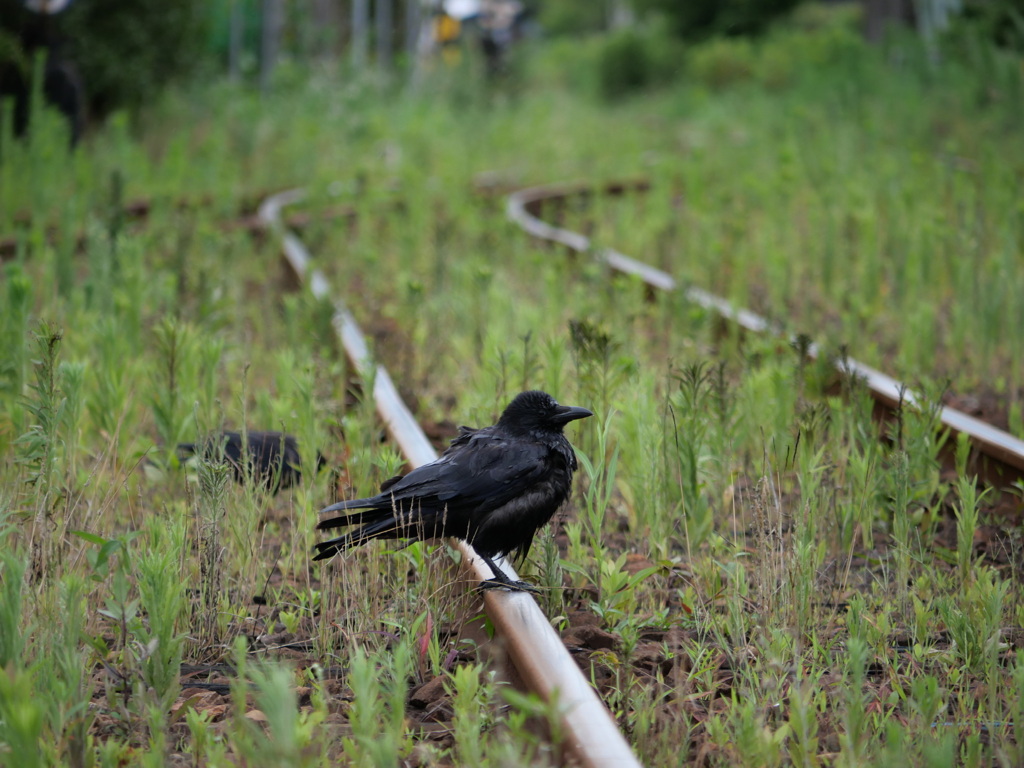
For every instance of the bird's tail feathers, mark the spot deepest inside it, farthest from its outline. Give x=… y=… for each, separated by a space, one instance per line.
x=346 y=504
x=383 y=528
x=372 y=509
x=326 y=549
x=352 y=518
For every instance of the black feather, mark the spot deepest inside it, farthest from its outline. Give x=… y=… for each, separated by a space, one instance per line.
x=274 y=459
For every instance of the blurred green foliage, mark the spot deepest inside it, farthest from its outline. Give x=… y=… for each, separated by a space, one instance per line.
x=777 y=60
x=700 y=19
x=997 y=21
x=690 y=20
x=646 y=55
x=612 y=65
x=634 y=58
x=127 y=51
x=573 y=17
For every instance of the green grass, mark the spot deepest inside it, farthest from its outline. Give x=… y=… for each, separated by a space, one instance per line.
x=777 y=584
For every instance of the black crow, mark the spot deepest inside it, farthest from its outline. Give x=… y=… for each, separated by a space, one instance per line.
x=493 y=487
x=273 y=457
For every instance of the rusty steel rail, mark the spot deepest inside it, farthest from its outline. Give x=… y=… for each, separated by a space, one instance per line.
x=541 y=660
x=524 y=207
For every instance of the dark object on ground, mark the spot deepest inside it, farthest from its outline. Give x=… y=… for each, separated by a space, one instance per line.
x=494 y=487
x=274 y=457
x=27 y=30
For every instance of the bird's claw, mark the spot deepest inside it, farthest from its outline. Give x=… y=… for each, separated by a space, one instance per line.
x=515 y=586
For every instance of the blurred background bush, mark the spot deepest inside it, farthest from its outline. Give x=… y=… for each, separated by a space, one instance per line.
x=91 y=57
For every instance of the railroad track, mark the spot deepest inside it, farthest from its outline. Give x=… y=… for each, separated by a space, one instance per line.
x=535 y=651
x=999 y=456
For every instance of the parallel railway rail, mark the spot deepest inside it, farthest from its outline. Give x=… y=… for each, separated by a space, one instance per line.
x=540 y=659
x=1000 y=455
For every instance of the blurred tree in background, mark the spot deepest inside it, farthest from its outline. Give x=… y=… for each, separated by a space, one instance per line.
x=115 y=54
x=1000 y=21
x=126 y=52
x=109 y=54
x=644 y=42
x=572 y=17
x=701 y=19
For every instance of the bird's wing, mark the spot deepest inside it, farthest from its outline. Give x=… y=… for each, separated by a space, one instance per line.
x=460 y=440
x=482 y=473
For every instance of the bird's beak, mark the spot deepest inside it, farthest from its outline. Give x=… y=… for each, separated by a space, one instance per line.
x=566 y=413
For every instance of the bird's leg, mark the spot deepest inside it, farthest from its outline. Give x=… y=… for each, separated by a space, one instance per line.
x=501 y=579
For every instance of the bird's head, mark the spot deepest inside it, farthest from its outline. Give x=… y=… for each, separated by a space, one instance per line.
x=535 y=411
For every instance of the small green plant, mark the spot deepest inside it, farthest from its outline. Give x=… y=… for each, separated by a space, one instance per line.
x=22 y=719
x=600 y=369
x=1016 y=710
x=108 y=402
x=14 y=333
x=617 y=598
x=521 y=744
x=12 y=636
x=806 y=703
x=169 y=398
x=289 y=734
x=40 y=448
x=469 y=700
x=966 y=511
x=122 y=604
x=377 y=713
x=62 y=679
x=696 y=392
x=204 y=745
x=900 y=469
x=161 y=596
x=974 y=619
x=290 y=620
x=855 y=738
x=210 y=509
x=552 y=573
x=600 y=474
x=71 y=378
x=927 y=700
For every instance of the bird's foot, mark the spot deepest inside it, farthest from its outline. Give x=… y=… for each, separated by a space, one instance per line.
x=501 y=579
x=515 y=586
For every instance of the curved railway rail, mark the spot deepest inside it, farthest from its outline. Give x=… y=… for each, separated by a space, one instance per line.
x=536 y=652
x=1000 y=455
